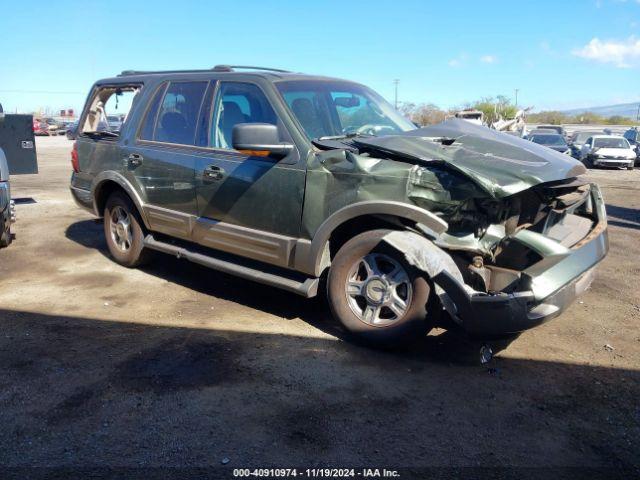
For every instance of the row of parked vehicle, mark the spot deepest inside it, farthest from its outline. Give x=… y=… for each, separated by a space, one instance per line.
x=594 y=148
x=52 y=127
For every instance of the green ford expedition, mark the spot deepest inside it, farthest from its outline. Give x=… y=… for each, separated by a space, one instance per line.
x=284 y=179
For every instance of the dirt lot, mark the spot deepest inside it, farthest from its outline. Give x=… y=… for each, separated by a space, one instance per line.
x=177 y=365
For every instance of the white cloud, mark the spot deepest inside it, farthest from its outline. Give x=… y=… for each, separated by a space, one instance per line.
x=459 y=61
x=621 y=53
x=488 y=59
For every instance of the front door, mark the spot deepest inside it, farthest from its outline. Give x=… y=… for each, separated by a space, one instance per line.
x=248 y=205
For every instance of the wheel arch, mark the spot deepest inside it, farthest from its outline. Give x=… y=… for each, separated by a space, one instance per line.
x=108 y=182
x=315 y=255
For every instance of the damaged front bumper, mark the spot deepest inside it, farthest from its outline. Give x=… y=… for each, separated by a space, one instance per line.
x=551 y=284
x=554 y=283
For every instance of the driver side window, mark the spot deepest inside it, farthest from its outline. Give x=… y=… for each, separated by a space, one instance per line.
x=238 y=103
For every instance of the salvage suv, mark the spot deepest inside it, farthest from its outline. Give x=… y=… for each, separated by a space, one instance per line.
x=287 y=179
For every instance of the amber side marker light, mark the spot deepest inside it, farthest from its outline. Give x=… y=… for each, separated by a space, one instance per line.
x=255 y=153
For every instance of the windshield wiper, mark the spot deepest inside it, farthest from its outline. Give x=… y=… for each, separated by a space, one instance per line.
x=342 y=137
x=104 y=133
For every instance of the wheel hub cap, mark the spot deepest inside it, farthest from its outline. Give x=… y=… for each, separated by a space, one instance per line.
x=120 y=227
x=376 y=290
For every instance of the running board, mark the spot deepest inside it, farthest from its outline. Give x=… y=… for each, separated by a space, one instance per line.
x=307 y=288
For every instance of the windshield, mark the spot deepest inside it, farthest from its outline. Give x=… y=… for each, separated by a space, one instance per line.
x=582 y=137
x=327 y=109
x=556 y=140
x=610 y=143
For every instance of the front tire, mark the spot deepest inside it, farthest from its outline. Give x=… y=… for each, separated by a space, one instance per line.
x=376 y=295
x=124 y=232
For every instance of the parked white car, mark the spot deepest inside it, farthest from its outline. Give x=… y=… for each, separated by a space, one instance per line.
x=608 y=151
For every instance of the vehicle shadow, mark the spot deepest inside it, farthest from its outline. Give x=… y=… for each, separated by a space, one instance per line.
x=623 y=217
x=447 y=346
x=139 y=395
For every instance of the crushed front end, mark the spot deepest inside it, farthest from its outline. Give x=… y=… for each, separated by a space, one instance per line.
x=554 y=234
x=524 y=229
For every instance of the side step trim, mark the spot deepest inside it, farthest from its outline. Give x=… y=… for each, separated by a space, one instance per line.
x=307 y=288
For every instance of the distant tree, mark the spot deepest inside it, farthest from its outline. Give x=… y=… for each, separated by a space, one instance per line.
x=619 y=120
x=495 y=108
x=549 y=117
x=423 y=113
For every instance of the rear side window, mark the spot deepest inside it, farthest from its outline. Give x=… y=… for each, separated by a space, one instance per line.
x=108 y=110
x=176 y=117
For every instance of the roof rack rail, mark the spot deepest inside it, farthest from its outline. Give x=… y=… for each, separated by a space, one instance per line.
x=231 y=68
x=217 y=68
x=126 y=73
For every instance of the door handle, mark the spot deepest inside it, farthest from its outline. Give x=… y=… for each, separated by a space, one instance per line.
x=213 y=173
x=135 y=160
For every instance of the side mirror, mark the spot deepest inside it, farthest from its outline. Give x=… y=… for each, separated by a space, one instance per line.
x=1 y=114
x=259 y=139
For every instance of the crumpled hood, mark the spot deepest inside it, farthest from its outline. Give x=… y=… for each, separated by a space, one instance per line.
x=502 y=164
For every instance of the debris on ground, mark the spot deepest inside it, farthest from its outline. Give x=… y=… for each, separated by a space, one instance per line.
x=486 y=354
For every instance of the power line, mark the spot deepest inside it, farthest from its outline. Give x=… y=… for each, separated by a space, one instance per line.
x=46 y=92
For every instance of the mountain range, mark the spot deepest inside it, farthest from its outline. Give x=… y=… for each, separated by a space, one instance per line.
x=624 y=110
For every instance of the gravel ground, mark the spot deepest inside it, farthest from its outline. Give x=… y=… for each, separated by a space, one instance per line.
x=176 y=365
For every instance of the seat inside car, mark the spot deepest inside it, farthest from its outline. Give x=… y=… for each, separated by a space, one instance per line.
x=173 y=128
x=231 y=116
x=306 y=114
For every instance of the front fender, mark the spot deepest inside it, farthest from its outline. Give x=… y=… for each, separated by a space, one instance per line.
x=311 y=257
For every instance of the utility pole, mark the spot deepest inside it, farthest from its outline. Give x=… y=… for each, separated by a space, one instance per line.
x=638 y=114
x=517 y=90
x=395 y=103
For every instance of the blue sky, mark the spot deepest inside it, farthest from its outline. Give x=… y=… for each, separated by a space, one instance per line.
x=558 y=54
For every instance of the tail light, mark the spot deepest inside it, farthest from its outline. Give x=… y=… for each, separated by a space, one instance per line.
x=74 y=158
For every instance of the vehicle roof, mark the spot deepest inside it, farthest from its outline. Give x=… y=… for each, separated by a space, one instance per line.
x=133 y=76
x=589 y=132
x=545 y=134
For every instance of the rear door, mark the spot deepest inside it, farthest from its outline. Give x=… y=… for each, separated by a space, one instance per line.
x=161 y=161
x=248 y=205
x=18 y=143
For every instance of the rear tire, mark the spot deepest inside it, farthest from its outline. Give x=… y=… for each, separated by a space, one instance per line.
x=124 y=231
x=376 y=295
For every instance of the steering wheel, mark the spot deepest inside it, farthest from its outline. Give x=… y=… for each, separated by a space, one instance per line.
x=373 y=129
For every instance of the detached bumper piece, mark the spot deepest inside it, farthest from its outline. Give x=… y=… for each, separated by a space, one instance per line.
x=553 y=283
